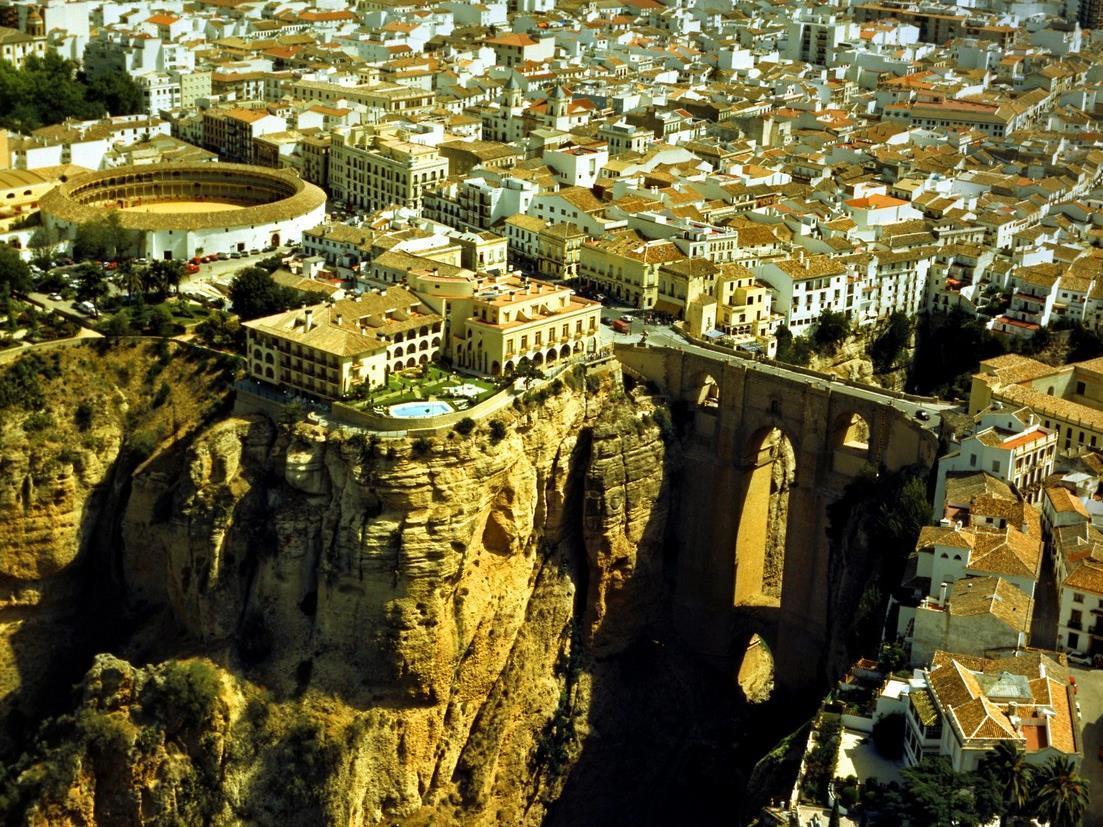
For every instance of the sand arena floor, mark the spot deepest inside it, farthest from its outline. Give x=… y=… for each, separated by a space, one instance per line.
x=184 y=207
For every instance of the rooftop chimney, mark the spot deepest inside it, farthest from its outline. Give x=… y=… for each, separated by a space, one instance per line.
x=308 y=319
x=943 y=592
x=337 y=320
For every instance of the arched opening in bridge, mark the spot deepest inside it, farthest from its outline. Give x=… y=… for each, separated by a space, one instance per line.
x=708 y=394
x=850 y=437
x=852 y=433
x=769 y=472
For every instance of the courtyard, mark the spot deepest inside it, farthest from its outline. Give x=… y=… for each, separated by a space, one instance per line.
x=427 y=383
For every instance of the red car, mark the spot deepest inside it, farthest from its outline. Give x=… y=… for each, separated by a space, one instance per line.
x=192 y=268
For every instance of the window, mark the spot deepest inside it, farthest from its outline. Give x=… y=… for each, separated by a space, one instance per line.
x=972 y=460
x=995 y=466
x=1080 y=388
x=1074 y=640
x=1077 y=597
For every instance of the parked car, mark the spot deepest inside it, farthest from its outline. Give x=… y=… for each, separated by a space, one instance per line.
x=922 y=414
x=55 y=297
x=621 y=326
x=236 y=255
x=222 y=256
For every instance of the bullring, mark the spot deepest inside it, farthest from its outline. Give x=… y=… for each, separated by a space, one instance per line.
x=182 y=211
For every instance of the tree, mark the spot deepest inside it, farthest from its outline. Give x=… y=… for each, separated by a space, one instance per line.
x=91 y=283
x=1061 y=795
x=48 y=89
x=164 y=276
x=43 y=243
x=795 y=350
x=890 y=343
x=1006 y=765
x=105 y=239
x=14 y=272
x=160 y=322
x=939 y=797
x=118 y=325
x=831 y=330
x=254 y=293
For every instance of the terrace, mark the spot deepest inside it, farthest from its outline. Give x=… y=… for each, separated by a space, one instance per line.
x=427 y=383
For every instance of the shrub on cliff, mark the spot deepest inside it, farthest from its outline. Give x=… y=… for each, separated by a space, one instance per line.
x=497 y=431
x=465 y=426
x=184 y=696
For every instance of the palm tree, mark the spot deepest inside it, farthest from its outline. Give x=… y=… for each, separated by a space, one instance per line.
x=1061 y=794
x=1007 y=766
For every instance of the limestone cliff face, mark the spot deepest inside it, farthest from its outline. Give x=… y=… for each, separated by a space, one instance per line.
x=77 y=418
x=851 y=361
x=425 y=604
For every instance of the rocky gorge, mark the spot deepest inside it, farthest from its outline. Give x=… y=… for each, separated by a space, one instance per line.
x=280 y=622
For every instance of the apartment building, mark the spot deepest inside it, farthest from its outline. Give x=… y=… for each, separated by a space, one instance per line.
x=1066 y=399
x=372 y=171
x=329 y=349
x=805 y=287
x=963 y=705
x=1077 y=549
x=1009 y=445
x=626 y=265
x=496 y=321
x=231 y=132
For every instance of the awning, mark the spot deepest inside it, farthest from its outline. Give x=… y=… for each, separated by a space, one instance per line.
x=714 y=334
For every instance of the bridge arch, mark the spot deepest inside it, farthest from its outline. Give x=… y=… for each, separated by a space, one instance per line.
x=769 y=471
x=708 y=391
x=851 y=439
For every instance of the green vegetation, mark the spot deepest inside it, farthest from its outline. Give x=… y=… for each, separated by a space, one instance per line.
x=497 y=431
x=890 y=342
x=221 y=331
x=255 y=294
x=874 y=525
x=419 y=384
x=15 y=275
x=1004 y=787
x=831 y=331
x=465 y=426
x=819 y=764
x=105 y=239
x=793 y=350
x=168 y=318
x=949 y=350
x=49 y=89
x=1062 y=794
x=421 y=446
x=21 y=383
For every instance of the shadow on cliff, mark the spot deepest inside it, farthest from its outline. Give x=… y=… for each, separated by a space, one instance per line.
x=668 y=736
x=89 y=610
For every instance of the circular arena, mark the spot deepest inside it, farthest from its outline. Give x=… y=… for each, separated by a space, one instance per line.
x=191 y=210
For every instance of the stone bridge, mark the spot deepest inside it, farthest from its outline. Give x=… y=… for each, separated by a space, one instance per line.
x=771 y=448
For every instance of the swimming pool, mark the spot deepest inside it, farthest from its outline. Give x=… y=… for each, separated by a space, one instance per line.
x=409 y=410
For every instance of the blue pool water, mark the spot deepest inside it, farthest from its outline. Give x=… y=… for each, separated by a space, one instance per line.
x=408 y=410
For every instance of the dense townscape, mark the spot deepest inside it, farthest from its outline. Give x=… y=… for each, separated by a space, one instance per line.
x=419 y=222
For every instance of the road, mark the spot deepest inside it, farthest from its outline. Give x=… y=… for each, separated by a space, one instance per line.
x=665 y=336
x=1089 y=693
x=1043 y=627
